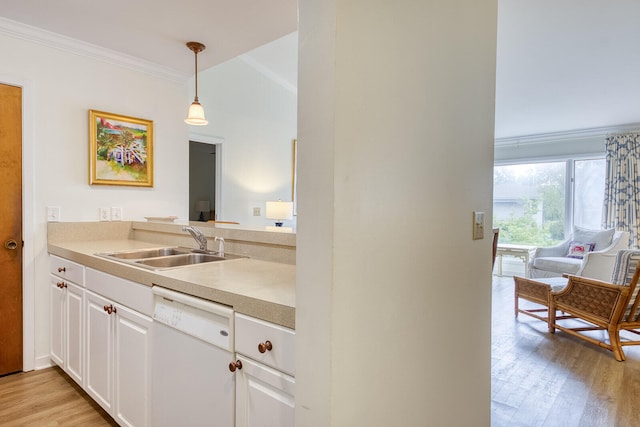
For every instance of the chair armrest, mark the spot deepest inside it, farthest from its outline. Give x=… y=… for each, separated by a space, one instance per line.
x=593 y=300
x=598 y=265
x=560 y=249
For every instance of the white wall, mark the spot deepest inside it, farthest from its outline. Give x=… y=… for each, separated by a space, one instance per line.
x=60 y=88
x=257 y=119
x=395 y=153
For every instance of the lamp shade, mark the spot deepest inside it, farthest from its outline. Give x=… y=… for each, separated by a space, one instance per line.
x=196 y=115
x=279 y=210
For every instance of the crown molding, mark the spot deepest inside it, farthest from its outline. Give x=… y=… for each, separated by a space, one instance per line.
x=579 y=134
x=67 y=44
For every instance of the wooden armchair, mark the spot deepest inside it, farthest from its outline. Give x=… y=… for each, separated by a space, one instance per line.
x=593 y=305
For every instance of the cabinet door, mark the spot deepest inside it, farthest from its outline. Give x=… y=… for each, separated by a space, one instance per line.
x=264 y=396
x=132 y=368
x=99 y=344
x=74 y=321
x=57 y=310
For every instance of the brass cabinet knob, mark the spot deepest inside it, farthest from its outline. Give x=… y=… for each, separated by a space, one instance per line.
x=110 y=309
x=61 y=269
x=265 y=346
x=61 y=285
x=235 y=365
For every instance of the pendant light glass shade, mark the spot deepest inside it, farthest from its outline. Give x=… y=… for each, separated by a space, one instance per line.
x=196 y=112
x=196 y=115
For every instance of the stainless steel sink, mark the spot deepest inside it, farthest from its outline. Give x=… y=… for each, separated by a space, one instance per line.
x=166 y=257
x=145 y=253
x=179 y=260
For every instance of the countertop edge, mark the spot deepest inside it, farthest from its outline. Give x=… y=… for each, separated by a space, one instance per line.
x=274 y=312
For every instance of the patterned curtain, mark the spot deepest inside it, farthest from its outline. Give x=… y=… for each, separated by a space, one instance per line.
x=622 y=186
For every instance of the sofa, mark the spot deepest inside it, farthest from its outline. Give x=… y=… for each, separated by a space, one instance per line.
x=587 y=253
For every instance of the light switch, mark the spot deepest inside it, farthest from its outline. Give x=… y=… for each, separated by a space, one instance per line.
x=53 y=213
x=104 y=214
x=478 y=225
x=256 y=211
x=116 y=214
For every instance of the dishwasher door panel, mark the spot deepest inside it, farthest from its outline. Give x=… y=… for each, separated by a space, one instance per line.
x=191 y=382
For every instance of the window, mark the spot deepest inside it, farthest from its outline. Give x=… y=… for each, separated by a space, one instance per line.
x=537 y=203
x=588 y=195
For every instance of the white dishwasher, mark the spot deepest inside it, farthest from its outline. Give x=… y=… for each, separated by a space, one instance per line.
x=192 y=346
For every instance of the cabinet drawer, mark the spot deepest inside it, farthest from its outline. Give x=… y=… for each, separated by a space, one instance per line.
x=251 y=332
x=66 y=269
x=130 y=294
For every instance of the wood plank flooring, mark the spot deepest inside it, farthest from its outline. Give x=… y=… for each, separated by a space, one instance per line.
x=47 y=398
x=538 y=379
x=543 y=379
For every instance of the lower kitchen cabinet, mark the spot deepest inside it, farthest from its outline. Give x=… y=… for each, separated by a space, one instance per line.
x=118 y=360
x=265 y=386
x=67 y=327
x=264 y=396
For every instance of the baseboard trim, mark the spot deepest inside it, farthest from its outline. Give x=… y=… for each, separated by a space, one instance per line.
x=43 y=362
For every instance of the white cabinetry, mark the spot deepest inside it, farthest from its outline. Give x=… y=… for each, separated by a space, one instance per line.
x=118 y=345
x=66 y=300
x=265 y=386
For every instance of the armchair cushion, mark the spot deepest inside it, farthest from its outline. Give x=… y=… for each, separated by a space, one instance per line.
x=601 y=238
x=558 y=264
x=578 y=249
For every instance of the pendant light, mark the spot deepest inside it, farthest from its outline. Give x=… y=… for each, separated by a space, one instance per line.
x=196 y=112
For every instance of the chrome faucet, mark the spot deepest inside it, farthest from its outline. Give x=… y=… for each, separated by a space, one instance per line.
x=197 y=234
x=220 y=241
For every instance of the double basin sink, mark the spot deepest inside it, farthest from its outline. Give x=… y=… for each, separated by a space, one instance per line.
x=166 y=257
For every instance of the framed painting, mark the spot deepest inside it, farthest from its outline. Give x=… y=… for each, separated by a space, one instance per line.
x=120 y=150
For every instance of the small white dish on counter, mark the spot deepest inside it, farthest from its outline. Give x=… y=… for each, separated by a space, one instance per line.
x=161 y=218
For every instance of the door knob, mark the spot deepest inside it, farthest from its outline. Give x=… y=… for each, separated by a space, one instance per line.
x=11 y=244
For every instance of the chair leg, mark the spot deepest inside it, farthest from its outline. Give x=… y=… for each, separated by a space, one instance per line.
x=551 y=316
x=614 y=338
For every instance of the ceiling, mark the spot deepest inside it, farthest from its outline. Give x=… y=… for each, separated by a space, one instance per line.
x=157 y=30
x=561 y=65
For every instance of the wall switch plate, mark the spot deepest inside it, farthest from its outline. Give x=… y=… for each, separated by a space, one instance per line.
x=116 y=214
x=478 y=225
x=53 y=213
x=256 y=211
x=104 y=214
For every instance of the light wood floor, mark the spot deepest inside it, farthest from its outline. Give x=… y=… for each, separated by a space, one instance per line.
x=543 y=379
x=47 y=398
x=537 y=379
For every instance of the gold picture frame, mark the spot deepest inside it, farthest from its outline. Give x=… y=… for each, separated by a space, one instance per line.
x=294 y=177
x=120 y=150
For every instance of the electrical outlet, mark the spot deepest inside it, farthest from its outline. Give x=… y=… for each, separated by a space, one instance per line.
x=53 y=213
x=116 y=214
x=478 y=225
x=104 y=214
x=256 y=211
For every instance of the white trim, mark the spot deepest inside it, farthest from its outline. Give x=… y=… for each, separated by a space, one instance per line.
x=541 y=138
x=217 y=141
x=268 y=73
x=58 y=41
x=28 y=222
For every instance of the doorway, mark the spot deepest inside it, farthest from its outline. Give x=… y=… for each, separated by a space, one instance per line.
x=202 y=181
x=11 y=296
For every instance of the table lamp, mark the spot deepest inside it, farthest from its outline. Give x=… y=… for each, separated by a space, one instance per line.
x=279 y=211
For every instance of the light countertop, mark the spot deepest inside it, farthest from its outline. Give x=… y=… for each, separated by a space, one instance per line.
x=261 y=289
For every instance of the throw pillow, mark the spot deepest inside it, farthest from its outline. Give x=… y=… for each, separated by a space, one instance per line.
x=601 y=238
x=578 y=249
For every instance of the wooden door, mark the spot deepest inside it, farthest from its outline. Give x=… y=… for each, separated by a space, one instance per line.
x=10 y=229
